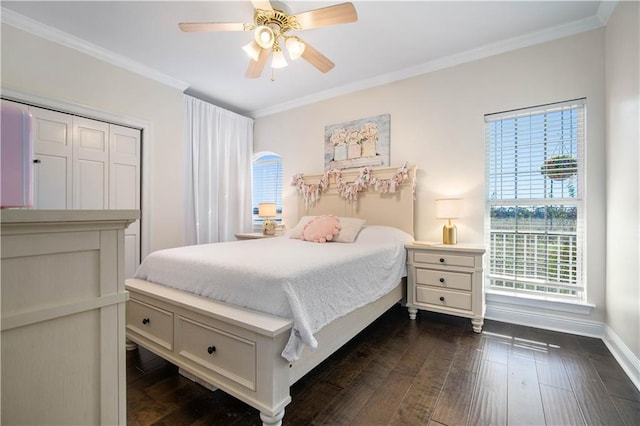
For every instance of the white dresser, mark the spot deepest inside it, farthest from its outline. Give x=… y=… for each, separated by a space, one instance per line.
x=63 y=316
x=447 y=279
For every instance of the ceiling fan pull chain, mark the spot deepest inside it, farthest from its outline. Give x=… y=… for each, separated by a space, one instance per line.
x=272 y=76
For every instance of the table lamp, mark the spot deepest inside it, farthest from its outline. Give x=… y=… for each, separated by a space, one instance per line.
x=267 y=211
x=449 y=209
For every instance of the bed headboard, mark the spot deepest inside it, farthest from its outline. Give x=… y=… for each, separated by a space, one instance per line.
x=377 y=208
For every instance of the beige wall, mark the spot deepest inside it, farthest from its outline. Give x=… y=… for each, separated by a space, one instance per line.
x=35 y=66
x=623 y=177
x=437 y=123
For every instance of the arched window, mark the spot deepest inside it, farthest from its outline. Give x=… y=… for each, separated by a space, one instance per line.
x=267 y=185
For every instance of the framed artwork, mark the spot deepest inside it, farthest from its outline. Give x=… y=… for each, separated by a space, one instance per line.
x=357 y=143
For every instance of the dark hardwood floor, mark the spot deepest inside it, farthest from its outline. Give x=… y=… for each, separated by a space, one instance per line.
x=432 y=371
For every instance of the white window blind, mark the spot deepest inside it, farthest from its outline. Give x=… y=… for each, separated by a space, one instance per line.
x=535 y=175
x=267 y=185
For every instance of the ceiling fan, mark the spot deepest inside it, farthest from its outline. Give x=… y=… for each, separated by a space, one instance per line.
x=272 y=22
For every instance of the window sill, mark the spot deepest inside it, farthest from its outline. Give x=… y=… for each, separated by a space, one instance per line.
x=580 y=308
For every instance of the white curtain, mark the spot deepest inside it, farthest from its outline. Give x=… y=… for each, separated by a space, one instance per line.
x=219 y=147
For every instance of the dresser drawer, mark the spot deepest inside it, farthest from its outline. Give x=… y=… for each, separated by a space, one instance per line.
x=225 y=353
x=439 y=297
x=444 y=259
x=454 y=280
x=152 y=322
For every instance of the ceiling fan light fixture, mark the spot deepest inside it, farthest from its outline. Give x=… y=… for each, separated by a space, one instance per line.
x=264 y=36
x=252 y=49
x=278 y=60
x=295 y=47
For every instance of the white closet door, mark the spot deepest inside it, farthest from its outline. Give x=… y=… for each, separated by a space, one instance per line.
x=91 y=164
x=124 y=166
x=53 y=157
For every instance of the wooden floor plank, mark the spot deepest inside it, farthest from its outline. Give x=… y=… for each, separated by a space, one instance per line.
x=306 y=405
x=420 y=400
x=560 y=407
x=346 y=404
x=628 y=410
x=384 y=403
x=594 y=401
x=613 y=377
x=455 y=399
x=551 y=370
x=523 y=389
x=489 y=404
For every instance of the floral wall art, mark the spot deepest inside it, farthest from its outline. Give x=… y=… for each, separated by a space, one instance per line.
x=358 y=143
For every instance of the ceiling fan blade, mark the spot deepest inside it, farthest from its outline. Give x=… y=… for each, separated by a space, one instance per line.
x=261 y=4
x=211 y=26
x=339 y=14
x=317 y=59
x=255 y=67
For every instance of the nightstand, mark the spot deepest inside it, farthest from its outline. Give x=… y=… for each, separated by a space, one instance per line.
x=252 y=236
x=446 y=279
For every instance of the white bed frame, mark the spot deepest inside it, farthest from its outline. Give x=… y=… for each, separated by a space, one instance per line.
x=239 y=350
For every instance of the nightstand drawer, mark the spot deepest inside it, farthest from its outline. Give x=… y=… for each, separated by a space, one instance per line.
x=227 y=354
x=444 y=259
x=454 y=280
x=438 y=297
x=151 y=322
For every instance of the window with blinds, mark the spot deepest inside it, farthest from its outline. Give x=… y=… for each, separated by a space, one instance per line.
x=267 y=185
x=535 y=184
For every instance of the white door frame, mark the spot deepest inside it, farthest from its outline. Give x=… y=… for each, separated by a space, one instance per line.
x=146 y=140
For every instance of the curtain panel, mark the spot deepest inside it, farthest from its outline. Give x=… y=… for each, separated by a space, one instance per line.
x=219 y=148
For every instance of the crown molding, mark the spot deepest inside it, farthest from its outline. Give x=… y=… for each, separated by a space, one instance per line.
x=46 y=32
x=561 y=31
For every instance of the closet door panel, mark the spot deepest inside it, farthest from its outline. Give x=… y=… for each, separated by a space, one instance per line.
x=53 y=156
x=91 y=155
x=125 y=186
x=91 y=191
x=50 y=189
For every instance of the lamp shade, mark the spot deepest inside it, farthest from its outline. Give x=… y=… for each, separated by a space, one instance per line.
x=449 y=208
x=278 y=60
x=264 y=36
x=267 y=210
x=252 y=49
x=295 y=47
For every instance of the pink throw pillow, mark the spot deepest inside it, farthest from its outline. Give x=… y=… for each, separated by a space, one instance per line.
x=321 y=229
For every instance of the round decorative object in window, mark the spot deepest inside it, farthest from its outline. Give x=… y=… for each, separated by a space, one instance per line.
x=559 y=167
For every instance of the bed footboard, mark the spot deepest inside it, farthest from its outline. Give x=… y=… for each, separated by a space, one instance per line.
x=237 y=350
x=234 y=349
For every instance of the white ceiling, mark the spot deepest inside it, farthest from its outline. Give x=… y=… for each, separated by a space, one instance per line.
x=391 y=40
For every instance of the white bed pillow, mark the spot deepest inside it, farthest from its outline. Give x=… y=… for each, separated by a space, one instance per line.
x=351 y=227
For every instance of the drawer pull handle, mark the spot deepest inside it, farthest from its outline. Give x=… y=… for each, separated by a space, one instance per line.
x=442 y=298
x=441 y=280
x=211 y=349
x=145 y=321
x=442 y=260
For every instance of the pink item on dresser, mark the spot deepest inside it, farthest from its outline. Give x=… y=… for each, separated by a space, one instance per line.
x=16 y=155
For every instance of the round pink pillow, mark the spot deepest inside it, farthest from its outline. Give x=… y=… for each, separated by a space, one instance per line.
x=321 y=229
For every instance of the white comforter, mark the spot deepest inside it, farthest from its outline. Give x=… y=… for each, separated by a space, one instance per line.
x=310 y=283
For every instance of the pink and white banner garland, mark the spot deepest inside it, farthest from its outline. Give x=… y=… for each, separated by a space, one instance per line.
x=350 y=190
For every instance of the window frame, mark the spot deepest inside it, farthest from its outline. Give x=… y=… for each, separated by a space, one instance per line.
x=576 y=200
x=256 y=221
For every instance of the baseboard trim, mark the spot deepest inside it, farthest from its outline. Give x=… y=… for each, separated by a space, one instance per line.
x=625 y=357
x=545 y=320
x=555 y=322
